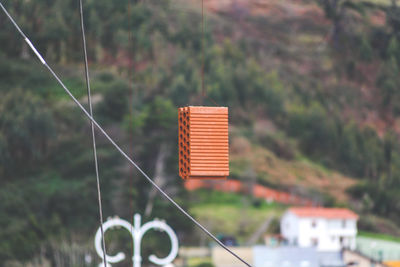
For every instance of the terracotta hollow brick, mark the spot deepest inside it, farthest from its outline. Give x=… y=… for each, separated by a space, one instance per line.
x=203 y=142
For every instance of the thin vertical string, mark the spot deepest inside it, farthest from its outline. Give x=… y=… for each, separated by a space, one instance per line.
x=96 y=165
x=130 y=128
x=203 y=91
x=203 y=39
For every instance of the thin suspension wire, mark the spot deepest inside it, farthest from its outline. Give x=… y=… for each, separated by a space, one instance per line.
x=130 y=81
x=203 y=92
x=203 y=88
x=96 y=164
x=119 y=149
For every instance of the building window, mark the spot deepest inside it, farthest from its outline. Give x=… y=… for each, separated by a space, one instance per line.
x=314 y=224
x=341 y=240
x=343 y=223
x=314 y=242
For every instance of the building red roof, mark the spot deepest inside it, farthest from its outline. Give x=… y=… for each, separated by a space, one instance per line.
x=329 y=213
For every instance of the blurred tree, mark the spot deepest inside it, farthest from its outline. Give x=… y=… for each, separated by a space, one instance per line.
x=388 y=81
x=335 y=10
x=27 y=129
x=366 y=52
x=393 y=50
x=114 y=104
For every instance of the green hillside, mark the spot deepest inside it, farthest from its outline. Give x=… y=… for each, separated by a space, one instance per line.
x=312 y=91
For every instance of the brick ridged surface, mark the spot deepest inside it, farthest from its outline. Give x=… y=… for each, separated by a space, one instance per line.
x=203 y=143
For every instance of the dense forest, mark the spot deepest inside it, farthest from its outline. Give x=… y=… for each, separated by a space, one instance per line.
x=146 y=61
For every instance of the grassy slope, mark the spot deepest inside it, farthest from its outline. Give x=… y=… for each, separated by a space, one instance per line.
x=299 y=175
x=232 y=214
x=291 y=37
x=379 y=236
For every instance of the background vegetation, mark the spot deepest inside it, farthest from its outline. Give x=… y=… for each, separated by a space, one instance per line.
x=332 y=103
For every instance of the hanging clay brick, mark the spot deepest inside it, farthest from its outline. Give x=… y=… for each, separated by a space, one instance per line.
x=203 y=143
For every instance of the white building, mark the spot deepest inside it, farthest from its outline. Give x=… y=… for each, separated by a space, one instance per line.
x=327 y=229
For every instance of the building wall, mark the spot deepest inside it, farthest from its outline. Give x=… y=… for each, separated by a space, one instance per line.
x=313 y=233
x=222 y=258
x=379 y=249
x=324 y=234
x=358 y=260
x=392 y=263
x=290 y=228
x=284 y=257
x=259 y=191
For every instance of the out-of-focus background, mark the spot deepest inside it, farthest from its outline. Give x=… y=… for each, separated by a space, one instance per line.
x=314 y=102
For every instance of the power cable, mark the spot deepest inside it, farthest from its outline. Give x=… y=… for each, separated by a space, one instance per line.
x=119 y=149
x=96 y=164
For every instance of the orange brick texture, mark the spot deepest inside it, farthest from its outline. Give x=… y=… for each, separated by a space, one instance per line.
x=203 y=143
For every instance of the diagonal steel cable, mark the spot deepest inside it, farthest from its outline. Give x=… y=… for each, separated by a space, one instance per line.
x=119 y=149
x=96 y=164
